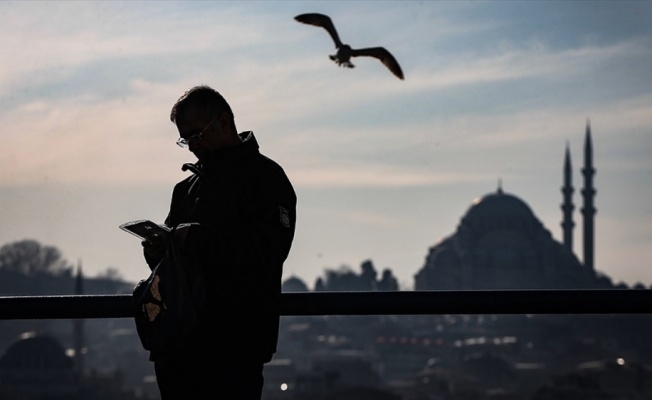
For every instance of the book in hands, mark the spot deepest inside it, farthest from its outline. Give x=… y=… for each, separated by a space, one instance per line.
x=143 y=228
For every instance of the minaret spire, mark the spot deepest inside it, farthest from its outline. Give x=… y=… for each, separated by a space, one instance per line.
x=588 y=194
x=78 y=324
x=567 y=206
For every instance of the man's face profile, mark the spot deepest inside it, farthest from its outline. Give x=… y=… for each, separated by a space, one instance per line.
x=202 y=132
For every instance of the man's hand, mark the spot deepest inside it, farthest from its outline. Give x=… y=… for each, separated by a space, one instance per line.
x=154 y=246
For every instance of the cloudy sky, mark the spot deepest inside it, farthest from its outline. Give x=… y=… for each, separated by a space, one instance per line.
x=383 y=168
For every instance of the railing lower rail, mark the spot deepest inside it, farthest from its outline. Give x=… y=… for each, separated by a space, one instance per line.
x=590 y=301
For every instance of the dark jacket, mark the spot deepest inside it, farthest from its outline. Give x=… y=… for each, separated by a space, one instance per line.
x=246 y=209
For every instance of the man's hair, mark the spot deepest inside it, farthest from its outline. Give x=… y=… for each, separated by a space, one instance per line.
x=202 y=98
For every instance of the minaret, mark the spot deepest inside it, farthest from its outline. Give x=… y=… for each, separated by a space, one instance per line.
x=567 y=206
x=588 y=193
x=78 y=324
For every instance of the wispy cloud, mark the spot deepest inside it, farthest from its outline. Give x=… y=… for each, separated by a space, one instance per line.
x=490 y=92
x=362 y=175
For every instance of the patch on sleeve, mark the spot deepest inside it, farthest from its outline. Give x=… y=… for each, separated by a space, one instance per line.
x=284 y=216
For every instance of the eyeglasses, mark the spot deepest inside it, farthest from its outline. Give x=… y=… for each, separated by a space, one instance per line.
x=183 y=142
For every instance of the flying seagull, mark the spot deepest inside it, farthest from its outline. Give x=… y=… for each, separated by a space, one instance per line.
x=344 y=52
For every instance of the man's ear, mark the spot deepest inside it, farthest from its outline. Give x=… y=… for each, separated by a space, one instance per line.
x=226 y=122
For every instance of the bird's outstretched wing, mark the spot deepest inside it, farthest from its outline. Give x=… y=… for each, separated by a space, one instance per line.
x=321 y=20
x=383 y=55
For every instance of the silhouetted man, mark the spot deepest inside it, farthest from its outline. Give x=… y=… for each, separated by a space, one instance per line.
x=242 y=210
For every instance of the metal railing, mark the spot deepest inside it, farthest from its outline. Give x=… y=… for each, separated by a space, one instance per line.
x=589 y=301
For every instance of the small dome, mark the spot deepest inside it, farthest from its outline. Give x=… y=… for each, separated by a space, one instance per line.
x=294 y=284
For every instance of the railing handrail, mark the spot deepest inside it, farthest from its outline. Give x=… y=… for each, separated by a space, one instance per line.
x=571 y=301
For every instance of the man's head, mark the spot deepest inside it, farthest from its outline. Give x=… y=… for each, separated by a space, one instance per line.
x=205 y=121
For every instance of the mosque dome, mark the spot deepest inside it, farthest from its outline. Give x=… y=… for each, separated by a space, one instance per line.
x=498 y=209
x=37 y=367
x=37 y=352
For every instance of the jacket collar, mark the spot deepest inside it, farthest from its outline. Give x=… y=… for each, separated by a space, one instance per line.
x=228 y=155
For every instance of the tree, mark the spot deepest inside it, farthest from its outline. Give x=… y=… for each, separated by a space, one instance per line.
x=368 y=275
x=344 y=279
x=388 y=282
x=29 y=257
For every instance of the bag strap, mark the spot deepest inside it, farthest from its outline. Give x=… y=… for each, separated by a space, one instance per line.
x=172 y=252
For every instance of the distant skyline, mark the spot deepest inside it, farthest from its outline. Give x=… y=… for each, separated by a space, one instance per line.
x=383 y=168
